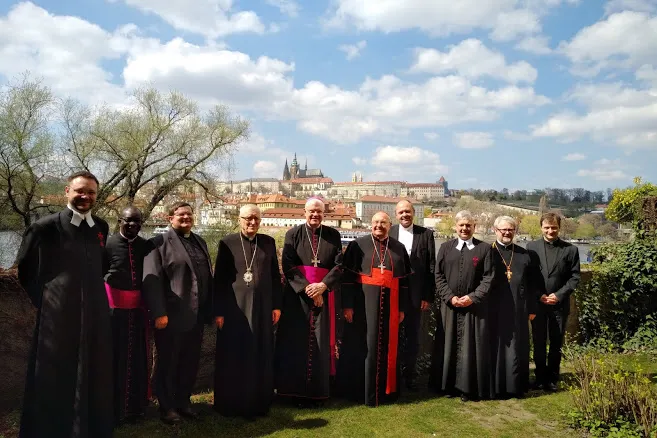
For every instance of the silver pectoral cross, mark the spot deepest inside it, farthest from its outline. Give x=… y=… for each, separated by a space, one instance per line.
x=248 y=277
x=315 y=261
x=382 y=266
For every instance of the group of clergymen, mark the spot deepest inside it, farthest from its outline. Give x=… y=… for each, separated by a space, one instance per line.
x=98 y=298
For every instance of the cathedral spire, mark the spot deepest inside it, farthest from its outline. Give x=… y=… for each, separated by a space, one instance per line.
x=286 y=172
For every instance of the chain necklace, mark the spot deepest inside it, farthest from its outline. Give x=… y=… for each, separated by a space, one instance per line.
x=315 y=260
x=381 y=260
x=248 y=275
x=508 y=266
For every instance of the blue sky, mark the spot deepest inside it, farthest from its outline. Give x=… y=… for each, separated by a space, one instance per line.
x=515 y=94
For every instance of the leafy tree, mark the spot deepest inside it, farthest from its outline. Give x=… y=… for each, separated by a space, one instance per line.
x=585 y=230
x=27 y=150
x=143 y=152
x=625 y=205
x=530 y=225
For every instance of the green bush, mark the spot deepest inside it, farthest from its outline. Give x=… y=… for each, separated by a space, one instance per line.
x=618 y=303
x=612 y=398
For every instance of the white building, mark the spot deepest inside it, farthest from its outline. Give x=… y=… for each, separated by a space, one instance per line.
x=367 y=206
x=251 y=185
x=289 y=217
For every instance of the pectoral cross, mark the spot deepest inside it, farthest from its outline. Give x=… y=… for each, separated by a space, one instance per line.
x=382 y=266
x=315 y=261
x=508 y=274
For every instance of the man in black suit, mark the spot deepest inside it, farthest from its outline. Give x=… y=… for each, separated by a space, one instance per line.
x=421 y=248
x=61 y=262
x=559 y=262
x=177 y=286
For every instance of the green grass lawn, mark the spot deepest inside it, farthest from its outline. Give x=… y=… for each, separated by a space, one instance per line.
x=415 y=415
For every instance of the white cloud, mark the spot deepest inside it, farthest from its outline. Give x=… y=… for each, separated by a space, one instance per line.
x=353 y=50
x=573 y=157
x=266 y=169
x=431 y=136
x=605 y=170
x=358 y=161
x=211 y=18
x=516 y=136
x=614 y=6
x=505 y=19
x=538 y=45
x=625 y=40
x=625 y=116
x=393 y=162
x=473 y=140
x=472 y=59
x=287 y=7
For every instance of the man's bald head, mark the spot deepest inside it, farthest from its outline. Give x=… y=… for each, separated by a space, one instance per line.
x=130 y=222
x=381 y=225
x=405 y=213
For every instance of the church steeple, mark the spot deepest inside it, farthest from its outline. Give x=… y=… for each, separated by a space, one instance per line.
x=306 y=166
x=286 y=172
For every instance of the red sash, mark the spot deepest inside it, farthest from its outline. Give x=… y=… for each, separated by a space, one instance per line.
x=131 y=299
x=316 y=275
x=387 y=280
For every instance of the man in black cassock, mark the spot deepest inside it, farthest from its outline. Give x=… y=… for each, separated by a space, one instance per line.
x=305 y=338
x=247 y=305
x=61 y=262
x=125 y=254
x=374 y=298
x=560 y=271
x=464 y=273
x=513 y=303
x=421 y=248
x=177 y=286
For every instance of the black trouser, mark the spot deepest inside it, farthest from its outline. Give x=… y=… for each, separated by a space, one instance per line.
x=548 y=324
x=178 y=355
x=412 y=318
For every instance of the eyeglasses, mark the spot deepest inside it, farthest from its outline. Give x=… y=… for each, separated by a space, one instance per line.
x=506 y=230
x=250 y=219
x=130 y=220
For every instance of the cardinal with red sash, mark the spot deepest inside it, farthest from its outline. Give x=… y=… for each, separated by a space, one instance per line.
x=125 y=253
x=306 y=335
x=374 y=297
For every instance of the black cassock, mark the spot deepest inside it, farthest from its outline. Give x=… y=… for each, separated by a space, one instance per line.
x=129 y=324
x=461 y=359
x=369 y=366
x=244 y=380
x=510 y=306
x=305 y=338
x=68 y=390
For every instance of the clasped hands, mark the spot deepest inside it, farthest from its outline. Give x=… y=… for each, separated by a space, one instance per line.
x=463 y=301
x=549 y=299
x=275 y=316
x=315 y=291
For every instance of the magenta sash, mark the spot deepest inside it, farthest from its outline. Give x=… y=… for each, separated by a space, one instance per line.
x=316 y=275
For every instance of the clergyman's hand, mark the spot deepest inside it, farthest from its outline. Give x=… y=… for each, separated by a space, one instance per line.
x=275 y=316
x=544 y=299
x=401 y=317
x=219 y=322
x=318 y=301
x=466 y=301
x=456 y=302
x=348 y=315
x=532 y=316
x=425 y=305
x=552 y=299
x=161 y=322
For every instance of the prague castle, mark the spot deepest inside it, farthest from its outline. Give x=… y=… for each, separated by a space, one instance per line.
x=294 y=171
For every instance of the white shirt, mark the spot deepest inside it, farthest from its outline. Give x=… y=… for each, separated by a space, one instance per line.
x=468 y=243
x=406 y=237
x=79 y=217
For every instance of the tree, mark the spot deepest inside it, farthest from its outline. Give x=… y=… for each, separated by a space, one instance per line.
x=626 y=204
x=143 y=152
x=426 y=212
x=27 y=149
x=446 y=225
x=530 y=225
x=585 y=230
x=568 y=227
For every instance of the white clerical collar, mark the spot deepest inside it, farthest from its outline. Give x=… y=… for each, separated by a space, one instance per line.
x=79 y=217
x=503 y=245
x=129 y=240
x=408 y=229
x=468 y=243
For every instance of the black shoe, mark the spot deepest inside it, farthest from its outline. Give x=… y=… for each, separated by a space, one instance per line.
x=170 y=417
x=538 y=386
x=465 y=398
x=411 y=385
x=551 y=387
x=188 y=413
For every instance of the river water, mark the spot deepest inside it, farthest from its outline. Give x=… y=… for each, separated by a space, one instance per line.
x=10 y=241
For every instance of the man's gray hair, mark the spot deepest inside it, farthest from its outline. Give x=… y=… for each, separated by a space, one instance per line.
x=464 y=215
x=313 y=201
x=250 y=208
x=507 y=219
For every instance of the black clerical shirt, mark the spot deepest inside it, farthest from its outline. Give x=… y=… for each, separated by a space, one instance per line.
x=550 y=254
x=200 y=263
